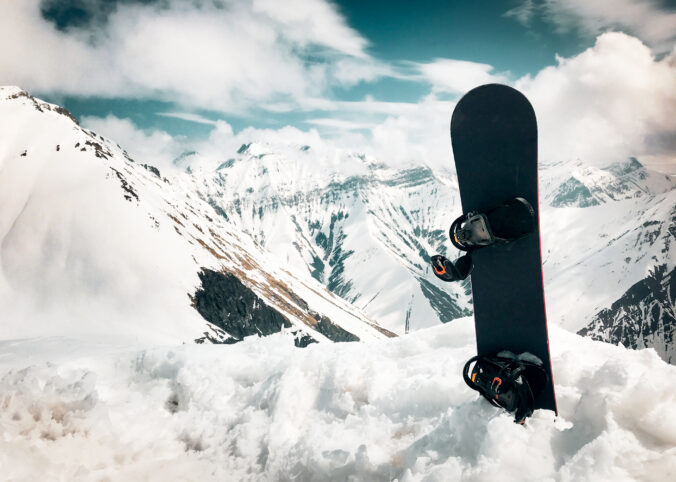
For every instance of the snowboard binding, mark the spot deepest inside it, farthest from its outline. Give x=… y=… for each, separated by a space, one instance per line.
x=447 y=270
x=506 y=223
x=507 y=381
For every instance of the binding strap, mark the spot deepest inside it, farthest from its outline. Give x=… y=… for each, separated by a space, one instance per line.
x=508 y=222
x=448 y=270
x=508 y=383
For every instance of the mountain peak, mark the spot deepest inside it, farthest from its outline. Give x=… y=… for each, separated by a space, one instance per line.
x=14 y=93
x=623 y=168
x=590 y=186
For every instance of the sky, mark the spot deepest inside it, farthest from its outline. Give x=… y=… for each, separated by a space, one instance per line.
x=165 y=76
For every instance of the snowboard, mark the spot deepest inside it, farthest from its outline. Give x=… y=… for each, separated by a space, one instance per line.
x=494 y=138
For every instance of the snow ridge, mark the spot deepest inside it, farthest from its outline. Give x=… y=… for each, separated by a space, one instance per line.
x=393 y=409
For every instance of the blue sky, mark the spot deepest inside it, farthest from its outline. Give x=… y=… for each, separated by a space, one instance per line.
x=378 y=76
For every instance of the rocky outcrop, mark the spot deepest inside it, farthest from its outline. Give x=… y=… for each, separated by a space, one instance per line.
x=573 y=193
x=645 y=316
x=236 y=312
x=225 y=302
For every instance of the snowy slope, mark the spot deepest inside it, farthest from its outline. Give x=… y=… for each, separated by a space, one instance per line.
x=363 y=230
x=589 y=186
x=384 y=410
x=595 y=248
x=645 y=316
x=366 y=231
x=93 y=243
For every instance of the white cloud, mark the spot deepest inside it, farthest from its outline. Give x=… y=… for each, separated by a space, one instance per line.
x=350 y=71
x=607 y=103
x=647 y=19
x=396 y=133
x=523 y=13
x=188 y=117
x=225 y=55
x=457 y=76
x=611 y=101
x=308 y=22
x=340 y=124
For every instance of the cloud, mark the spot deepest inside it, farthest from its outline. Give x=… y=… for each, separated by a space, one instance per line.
x=223 y=55
x=612 y=101
x=522 y=13
x=188 y=117
x=340 y=124
x=313 y=22
x=457 y=76
x=350 y=71
x=647 y=19
x=609 y=102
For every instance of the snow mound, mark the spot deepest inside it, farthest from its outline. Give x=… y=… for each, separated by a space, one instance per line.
x=392 y=409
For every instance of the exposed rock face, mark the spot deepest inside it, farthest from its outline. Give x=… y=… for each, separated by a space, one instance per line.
x=332 y=331
x=227 y=303
x=363 y=230
x=224 y=301
x=645 y=316
x=573 y=193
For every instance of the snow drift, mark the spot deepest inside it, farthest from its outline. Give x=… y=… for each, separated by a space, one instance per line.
x=385 y=410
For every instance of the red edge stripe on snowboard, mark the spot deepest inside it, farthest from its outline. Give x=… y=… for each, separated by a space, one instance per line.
x=544 y=295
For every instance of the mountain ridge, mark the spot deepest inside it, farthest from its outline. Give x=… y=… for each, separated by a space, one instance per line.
x=360 y=228
x=159 y=232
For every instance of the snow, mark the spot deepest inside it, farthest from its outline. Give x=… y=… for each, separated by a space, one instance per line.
x=75 y=256
x=393 y=409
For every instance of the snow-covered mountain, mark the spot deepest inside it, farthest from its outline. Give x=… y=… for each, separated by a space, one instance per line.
x=273 y=218
x=597 y=246
x=366 y=231
x=589 y=186
x=645 y=316
x=95 y=243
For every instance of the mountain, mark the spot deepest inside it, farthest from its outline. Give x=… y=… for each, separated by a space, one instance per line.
x=341 y=215
x=283 y=220
x=96 y=244
x=601 y=241
x=589 y=186
x=364 y=230
x=645 y=316
x=593 y=252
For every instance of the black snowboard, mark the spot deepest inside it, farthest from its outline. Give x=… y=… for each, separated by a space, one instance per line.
x=494 y=137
